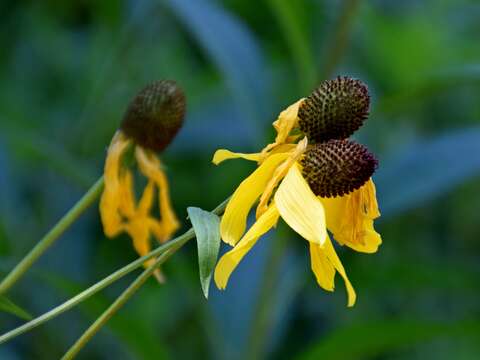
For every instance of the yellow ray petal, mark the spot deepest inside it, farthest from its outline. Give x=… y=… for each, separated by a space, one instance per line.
x=322 y=267
x=279 y=174
x=110 y=200
x=300 y=208
x=350 y=219
x=337 y=264
x=151 y=167
x=369 y=199
x=126 y=194
x=286 y=121
x=146 y=201
x=223 y=154
x=234 y=220
x=229 y=261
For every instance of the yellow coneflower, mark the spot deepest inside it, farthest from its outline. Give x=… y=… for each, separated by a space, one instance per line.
x=150 y=123
x=314 y=187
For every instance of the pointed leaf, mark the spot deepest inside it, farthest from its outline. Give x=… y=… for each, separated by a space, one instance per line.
x=207 y=230
x=8 y=306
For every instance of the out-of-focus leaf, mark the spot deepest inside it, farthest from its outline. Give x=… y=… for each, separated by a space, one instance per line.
x=428 y=169
x=430 y=86
x=293 y=27
x=233 y=49
x=6 y=305
x=369 y=340
x=207 y=231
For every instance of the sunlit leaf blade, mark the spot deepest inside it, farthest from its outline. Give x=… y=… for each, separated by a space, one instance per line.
x=370 y=340
x=207 y=231
x=6 y=305
x=428 y=169
x=233 y=49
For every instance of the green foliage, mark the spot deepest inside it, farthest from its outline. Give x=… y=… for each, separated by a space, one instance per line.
x=368 y=340
x=207 y=231
x=6 y=305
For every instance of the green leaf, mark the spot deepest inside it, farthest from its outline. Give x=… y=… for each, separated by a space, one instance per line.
x=8 y=306
x=370 y=340
x=207 y=231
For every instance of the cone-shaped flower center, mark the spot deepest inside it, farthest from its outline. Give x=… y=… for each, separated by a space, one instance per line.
x=335 y=110
x=155 y=115
x=337 y=167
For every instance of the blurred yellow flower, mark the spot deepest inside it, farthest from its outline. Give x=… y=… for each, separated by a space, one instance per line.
x=150 y=123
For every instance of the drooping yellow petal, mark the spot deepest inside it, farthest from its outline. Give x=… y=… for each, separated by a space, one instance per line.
x=286 y=121
x=337 y=264
x=110 y=200
x=300 y=208
x=322 y=267
x=126 y=194
x=279 y=174
x=223 y=154
x=140 y=235
x=229 y=261
x=146 y=201
x=234 y=221
x=350 y=218
x=151 y=167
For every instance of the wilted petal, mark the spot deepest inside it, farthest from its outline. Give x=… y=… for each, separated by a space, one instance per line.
x=231 y=259
x=322 y=267
x=234 y=220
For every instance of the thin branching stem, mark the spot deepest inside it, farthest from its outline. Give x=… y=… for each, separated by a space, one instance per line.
x=84 y=295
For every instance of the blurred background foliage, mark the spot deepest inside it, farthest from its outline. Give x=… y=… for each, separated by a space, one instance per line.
x=67 y=71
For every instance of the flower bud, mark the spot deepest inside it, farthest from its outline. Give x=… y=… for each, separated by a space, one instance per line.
x=155 y=115
x=335 y=110
x=337 y=167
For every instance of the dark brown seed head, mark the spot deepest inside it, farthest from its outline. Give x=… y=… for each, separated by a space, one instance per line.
x=155 y=115
x=335 y=110
x=337 y=167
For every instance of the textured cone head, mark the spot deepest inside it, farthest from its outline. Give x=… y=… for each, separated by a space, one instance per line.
x=337 y=167
x=335 y=110
x=155 y=115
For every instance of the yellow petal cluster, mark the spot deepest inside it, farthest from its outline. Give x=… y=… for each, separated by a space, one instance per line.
x=279 y=188
x=119 y=210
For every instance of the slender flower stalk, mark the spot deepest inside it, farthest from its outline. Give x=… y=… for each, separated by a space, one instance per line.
x=176 y=244
x=53 y=235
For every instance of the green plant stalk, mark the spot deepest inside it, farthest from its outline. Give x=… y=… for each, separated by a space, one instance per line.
x=96 y=287
x=262 y=319
x=180 y=241
x=298 y=41
x=118 y=303
x=68 y=219
x=340 y=37
x=125 y=296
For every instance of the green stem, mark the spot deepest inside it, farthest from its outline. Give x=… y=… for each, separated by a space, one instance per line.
x=127 y=294
x=178 y=241
x=68 y=219
x=117 y=304
x=339 y=40
x=262 y=319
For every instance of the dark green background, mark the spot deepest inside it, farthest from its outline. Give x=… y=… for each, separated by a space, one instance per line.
x=68 y=70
